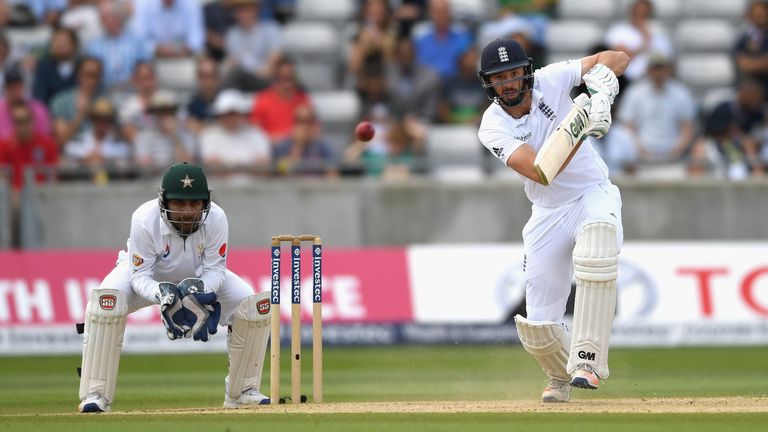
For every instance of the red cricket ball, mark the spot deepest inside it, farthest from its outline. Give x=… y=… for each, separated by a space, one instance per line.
x=364 y=131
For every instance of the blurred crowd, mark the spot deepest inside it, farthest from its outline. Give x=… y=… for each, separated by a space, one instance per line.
x=88 y=104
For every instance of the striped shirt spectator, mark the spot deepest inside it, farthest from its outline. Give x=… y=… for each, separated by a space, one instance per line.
x=173 y=28
x=118 y=49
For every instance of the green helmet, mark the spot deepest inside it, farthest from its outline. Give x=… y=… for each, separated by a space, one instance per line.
x=184 y=181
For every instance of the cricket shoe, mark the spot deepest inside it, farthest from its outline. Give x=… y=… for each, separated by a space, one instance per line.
x=585 y=377
x=248 y=397
x=94 y=403
x=556 y=391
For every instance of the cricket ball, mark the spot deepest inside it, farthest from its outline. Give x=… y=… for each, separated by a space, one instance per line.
x=364 y=131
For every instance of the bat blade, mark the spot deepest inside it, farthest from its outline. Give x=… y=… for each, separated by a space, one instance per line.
x=562 y=142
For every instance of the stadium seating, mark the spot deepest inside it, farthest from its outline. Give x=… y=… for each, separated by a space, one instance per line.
x=26 y=39
x=336 y=11
x=573 y=36
x=705 y=71
x=732 y=9
x=589 y=9
x=315 y=48
x=704 y=35
x=338 y=111
x=455 y=152
x=177 y=74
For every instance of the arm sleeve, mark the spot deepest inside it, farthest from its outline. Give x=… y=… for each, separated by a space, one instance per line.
x=565 y=74
x=499 y=143
x=141 y=256
x=215 y=255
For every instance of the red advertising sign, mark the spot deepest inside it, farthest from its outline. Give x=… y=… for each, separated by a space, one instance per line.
x=359 y=285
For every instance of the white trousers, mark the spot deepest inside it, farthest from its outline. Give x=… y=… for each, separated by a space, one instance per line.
x=549 y=238
x=230 y=294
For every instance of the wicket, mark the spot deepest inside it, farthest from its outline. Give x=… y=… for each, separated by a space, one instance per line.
x=317 y=317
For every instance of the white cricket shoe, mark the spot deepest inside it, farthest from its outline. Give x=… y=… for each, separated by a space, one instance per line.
x=556 y=391
x=248 y=397
x=585 y=377
x=94 y=403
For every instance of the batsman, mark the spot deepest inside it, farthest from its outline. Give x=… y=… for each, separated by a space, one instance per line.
x=575 y=226
x=176 y=258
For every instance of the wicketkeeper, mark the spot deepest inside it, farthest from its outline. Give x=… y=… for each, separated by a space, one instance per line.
x=575 y=225
x=176 y=258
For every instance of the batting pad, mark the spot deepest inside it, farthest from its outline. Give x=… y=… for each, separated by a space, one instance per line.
x=248 y=344
x=548 y=343
x=105 y=317
x=596 y=264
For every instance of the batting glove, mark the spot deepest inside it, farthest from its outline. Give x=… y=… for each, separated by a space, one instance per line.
x=600 y=119
x=172 y=311
x=201 y=308
x=601 y=80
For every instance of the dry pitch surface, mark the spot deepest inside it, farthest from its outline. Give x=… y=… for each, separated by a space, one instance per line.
x=626 y=405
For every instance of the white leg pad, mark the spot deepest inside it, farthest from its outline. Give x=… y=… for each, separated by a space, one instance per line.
x=548 y=343
x=596 y=263
x=248 y=344
x=105 y=317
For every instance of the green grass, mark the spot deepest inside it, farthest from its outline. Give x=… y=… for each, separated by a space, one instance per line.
x=30 y=386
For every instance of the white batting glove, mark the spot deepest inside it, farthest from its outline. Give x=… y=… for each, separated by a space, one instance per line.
x=600 y=119
x=601 y=80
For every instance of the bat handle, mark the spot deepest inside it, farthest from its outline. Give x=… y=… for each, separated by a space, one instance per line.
x=582 y=100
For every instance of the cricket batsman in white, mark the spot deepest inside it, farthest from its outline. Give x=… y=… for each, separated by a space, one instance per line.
x=575 y=225
x=177 y=259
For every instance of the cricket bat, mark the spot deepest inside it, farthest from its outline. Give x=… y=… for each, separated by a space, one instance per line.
x=563 y=141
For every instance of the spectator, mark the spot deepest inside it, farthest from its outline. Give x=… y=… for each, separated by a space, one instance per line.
x=639 y=37
x=199 y=106
x=375 y=97
x=217 y=19
x=8 y=59
x=659 y=112
x=443 y=41
x=56 y=70
x=15 y=94
x=305 y=151
x=166 y=141
x=273 y=108
x=173 y=28
x=510 y=25
x=537 y=13
x=134 y=114
x=729 y=147
x=460 y=102
x=414 y=88
x=47 y=12
x=70 y=107
x=408 y=13
x=5 y=14
x=253 y=48
x=100 y=145
x=751 y=50
x=26 y=147
x=377 y=34
x=82 y=16
x=395 y=155
x=230 y=142
x=119 y=50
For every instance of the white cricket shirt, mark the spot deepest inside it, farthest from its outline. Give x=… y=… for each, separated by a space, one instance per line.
x=502 y=134
x=156 y=253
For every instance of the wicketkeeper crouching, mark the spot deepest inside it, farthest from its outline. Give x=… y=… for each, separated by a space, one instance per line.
x=176 y=258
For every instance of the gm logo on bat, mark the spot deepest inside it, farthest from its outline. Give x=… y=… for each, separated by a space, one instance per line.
x=576 y=128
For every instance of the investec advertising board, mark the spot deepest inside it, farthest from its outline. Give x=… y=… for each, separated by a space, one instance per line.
x=669 y=294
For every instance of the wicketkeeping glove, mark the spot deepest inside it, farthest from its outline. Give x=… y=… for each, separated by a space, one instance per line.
x=201 y=309
x=172 y=311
